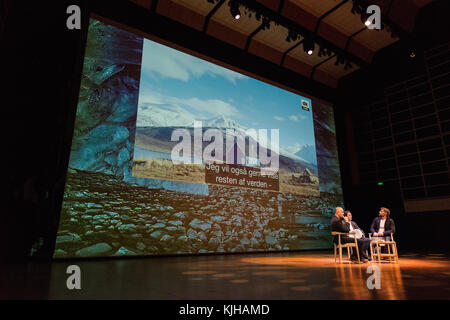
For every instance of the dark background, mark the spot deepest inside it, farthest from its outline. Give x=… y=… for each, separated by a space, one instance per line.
x=41 y=63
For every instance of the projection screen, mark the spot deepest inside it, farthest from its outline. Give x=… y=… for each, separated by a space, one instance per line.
x=172 y=154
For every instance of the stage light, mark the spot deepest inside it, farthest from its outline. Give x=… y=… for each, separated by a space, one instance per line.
x=412 y=54
x=367 y=23
x=380 y=183
x=234 y=10
x=308 y=46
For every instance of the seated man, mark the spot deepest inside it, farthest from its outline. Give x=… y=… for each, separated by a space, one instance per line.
x=356 y=231
x=383 y=226
x=340 y=223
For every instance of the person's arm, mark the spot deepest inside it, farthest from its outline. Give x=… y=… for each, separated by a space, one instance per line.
x=391 y=228
x=372 y=227
x=339 y=225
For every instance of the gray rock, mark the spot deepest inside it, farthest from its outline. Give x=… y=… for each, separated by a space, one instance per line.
x=182 y=238
x=127 y=227
x=192 y=234
x=124 y=252
x=271 y=240
x=156 y=235
x=70 y=237
x=94 y=250
x=176 y=223
x=179 y=215
x=158 y=225
x=101 y=216
x=166 y=237
x=217 y=218
x=199 y=224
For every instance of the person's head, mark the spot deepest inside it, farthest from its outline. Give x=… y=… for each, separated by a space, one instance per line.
x=384 y=212
x=339 y=212
x=348 y=214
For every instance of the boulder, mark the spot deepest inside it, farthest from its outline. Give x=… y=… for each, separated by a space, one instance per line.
x=94 y=250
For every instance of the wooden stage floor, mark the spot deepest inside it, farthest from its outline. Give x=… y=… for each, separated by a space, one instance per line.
x=274 y=276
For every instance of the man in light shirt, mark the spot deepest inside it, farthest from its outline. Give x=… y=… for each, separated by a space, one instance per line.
x=356 y=231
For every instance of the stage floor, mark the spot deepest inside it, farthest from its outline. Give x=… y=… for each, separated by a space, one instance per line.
x=305 y=275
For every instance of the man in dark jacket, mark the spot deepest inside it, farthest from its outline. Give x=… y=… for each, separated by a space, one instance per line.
x=383 y=225
x=340 y=223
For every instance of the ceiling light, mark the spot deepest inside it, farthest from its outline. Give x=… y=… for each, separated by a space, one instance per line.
x=234 y=9
x=308 y=46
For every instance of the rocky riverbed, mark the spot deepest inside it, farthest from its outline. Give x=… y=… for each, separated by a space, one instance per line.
x=104 y=216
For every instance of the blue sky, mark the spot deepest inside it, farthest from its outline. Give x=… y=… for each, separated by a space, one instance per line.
x=206 y=90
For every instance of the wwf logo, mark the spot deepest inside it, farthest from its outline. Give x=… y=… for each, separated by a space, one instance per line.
x=305 y=105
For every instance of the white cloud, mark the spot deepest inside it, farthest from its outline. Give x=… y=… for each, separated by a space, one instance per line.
x=212 y=106
x=204 y=108
x=171 y=63
x=278 y=118
x=297 y=118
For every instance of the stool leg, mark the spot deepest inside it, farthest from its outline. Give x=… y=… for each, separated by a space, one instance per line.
x=371 y=251
x=389 y=252
x=396 y=253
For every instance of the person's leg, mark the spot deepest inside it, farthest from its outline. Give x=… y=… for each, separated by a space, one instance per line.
x=362 y=246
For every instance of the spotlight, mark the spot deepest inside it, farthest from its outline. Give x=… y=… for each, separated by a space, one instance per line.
x=412 y=54
x=367 y=23
x=234 y=9
x=308 y=46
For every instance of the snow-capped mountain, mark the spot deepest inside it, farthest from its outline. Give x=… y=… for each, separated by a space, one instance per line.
x=163 y=115
x=307 y=152
x=222 y=122
x=170 y=115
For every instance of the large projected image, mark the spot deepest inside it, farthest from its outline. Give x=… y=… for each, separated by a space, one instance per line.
x=176 y=90
x=140 y=105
